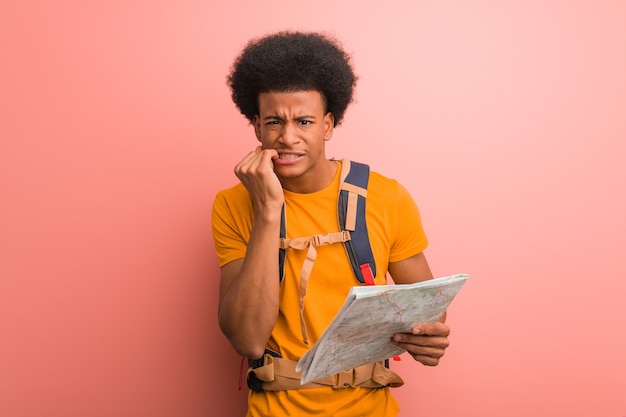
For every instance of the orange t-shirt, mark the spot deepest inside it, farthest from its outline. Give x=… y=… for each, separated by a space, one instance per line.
x=395 y=232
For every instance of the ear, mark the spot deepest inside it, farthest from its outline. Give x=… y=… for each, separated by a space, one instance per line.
x=329 y=125
x=256 y=122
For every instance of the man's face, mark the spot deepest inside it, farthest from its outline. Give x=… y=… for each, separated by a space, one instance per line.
x=295 y=125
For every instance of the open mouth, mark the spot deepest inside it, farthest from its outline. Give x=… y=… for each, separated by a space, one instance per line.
x=289 y=156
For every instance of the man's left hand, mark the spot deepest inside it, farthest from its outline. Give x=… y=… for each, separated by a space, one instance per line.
x=426 y=342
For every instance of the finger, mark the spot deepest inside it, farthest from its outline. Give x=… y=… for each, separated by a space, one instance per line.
x=245 y=163
x=432 y=329
x=257 y=162
x=267 y=155
x=430 y=351
x=426 y=360
x=427 y=355
x=439 y=342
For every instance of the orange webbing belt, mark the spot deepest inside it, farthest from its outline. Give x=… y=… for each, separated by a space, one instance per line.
x=277 y=374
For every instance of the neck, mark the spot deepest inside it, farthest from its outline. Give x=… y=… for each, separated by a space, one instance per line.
x=313 y=181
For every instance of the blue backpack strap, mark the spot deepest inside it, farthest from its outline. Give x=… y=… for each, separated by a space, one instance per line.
x=351 y=214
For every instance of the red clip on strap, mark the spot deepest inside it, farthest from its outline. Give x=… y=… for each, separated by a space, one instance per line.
x=368 y=277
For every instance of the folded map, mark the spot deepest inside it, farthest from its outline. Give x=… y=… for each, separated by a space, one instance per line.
x=361 y=331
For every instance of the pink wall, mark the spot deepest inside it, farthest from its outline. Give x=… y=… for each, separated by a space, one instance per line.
x=506 y=121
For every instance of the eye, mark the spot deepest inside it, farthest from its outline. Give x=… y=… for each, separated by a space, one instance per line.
x=305 y=122
x=272 y=122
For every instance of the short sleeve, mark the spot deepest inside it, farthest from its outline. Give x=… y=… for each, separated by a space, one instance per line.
x=409 y=238
x=230 y=235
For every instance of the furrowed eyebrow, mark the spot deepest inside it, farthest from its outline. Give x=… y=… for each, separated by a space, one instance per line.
x=299 y=118
x=272 y=118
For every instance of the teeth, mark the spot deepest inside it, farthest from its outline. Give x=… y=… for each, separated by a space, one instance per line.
x=288 y=156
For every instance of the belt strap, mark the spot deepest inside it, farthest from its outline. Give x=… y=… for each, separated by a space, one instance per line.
x=277 y=374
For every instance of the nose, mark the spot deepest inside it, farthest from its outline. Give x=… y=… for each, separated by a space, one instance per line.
x=289 y=135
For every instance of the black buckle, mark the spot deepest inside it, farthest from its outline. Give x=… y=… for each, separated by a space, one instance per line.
x=254 y=383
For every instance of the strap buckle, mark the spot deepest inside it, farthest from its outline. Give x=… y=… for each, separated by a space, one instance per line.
x=344 y=379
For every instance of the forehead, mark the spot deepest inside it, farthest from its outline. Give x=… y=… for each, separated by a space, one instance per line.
x=291 y=102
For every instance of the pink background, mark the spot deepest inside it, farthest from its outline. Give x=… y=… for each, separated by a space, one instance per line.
x=505 y=120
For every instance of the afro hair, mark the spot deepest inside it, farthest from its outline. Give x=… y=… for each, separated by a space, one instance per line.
x=293 y=61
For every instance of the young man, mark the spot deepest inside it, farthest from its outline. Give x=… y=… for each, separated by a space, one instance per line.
x=294 y=89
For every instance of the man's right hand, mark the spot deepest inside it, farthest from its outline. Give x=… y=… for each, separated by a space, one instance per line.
x=249 y=287
x=256 y=173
